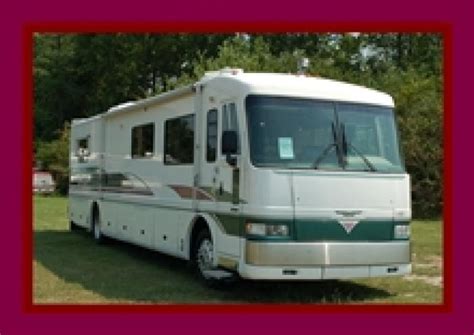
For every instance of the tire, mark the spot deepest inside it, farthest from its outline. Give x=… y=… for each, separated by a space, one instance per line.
x=203 y=259
x=203 y=255
x=96 y=227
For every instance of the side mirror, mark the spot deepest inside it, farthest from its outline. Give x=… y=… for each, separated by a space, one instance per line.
x=229 y=146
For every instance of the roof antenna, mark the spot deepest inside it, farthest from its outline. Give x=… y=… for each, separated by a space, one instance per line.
x=303 y=65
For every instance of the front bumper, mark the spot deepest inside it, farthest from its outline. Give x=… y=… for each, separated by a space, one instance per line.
x=325 y=260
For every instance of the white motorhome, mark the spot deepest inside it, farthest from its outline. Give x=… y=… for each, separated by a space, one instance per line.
x=268 y=176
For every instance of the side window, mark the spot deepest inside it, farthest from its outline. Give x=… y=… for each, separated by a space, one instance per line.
x=211 y=148
x=229 y=121
x=125 y=183
x=85 y=177
x=143 y=139
x=179 y=140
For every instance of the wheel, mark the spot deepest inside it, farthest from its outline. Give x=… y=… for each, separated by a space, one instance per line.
x=203 y=260
x=96 y=228
x=204 y=254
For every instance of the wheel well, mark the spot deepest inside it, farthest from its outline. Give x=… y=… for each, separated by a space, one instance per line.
x=199 y=225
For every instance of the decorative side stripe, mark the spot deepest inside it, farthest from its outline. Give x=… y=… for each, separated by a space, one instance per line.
x=186 y=192
x=108 y=189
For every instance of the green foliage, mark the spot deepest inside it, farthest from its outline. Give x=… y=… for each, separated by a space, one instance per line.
x=420 y=117
x=82 y=75
x=239 y=53
x=55 y=93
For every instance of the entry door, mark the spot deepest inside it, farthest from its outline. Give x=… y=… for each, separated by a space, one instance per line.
x=206 y=192
x=218 y=185
x=219 y=182
x=207 y=154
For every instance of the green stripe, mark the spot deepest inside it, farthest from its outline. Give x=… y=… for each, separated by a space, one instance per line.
x=224 y=197
x=332 y=230
x=314 y=230
x=232 y=224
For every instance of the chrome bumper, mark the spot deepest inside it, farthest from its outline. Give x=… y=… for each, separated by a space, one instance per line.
x=326 y=253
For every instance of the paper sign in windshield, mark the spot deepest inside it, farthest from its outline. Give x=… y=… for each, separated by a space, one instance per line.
x=285 y=148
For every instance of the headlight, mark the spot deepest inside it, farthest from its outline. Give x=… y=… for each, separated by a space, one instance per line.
x=262 y=229
x=401 y=231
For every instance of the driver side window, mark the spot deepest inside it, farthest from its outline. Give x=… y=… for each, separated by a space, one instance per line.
x=230 y=121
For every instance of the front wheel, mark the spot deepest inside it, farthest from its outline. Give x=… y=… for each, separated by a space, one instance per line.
x=204 y=255
x=203 y=260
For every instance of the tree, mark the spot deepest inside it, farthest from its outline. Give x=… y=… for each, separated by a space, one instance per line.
x=54 y=92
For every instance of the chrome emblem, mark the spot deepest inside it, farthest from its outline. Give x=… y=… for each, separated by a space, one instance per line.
x=348 y=213
x=348 y=225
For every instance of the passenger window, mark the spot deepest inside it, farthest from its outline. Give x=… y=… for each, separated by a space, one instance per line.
x=124 y=183
x=85 y=176
x=143 y=139
x=179 y=140
x=229 y=121
x=211 y=149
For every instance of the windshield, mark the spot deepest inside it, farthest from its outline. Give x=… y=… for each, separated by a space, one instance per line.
x=307 y=134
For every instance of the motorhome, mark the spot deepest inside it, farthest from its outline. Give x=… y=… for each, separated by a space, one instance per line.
x=261 y=175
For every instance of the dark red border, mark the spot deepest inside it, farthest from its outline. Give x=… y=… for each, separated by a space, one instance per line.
x=231 y=27
x=271 y=27
x=27 y=146
x=448 y=260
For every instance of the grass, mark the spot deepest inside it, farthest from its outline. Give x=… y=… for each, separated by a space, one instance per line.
x=69 y=267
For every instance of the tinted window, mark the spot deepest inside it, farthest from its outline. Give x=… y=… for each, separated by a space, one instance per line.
x=179 y=140
x=302 y=134
x=211 y=135
x=85 y=176
x=143 y=139
x=229 y=121
x=371 y=132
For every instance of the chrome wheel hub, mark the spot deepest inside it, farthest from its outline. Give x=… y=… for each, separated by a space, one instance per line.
x=205 y=256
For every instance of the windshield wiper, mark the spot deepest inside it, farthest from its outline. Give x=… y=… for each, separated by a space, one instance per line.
x=323 y=155
x=328 y=148
x=346 y=145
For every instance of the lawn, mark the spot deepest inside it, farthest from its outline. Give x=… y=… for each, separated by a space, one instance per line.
x=69 y=267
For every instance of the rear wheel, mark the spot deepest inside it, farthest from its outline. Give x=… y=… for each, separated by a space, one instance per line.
x=96 y=227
